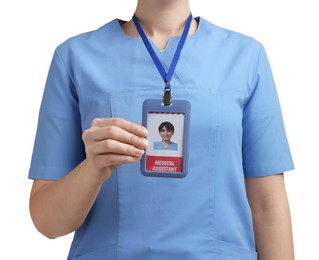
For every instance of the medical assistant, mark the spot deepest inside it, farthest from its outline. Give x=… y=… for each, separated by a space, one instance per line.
x=237 y=131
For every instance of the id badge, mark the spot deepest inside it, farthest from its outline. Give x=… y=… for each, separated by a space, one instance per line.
x=168 y=135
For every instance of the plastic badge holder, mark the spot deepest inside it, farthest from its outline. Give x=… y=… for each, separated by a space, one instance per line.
x=160 y=159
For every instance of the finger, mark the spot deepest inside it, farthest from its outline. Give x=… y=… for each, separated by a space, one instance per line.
x=121 y=123
x=113 y=160
x=118 y=134
x=115 y=147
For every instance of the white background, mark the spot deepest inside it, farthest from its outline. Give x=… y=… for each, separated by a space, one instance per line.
x=30 y=31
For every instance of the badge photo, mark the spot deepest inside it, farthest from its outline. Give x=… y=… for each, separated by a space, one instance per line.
x=168 y=132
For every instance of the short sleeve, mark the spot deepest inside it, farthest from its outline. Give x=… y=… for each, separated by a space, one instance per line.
x=58 y=145
x=265 y=146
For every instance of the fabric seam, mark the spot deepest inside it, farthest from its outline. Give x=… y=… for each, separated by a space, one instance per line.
x=254 y=80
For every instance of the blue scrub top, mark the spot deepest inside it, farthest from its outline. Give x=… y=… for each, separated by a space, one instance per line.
x=160 y=146
x=237 y=131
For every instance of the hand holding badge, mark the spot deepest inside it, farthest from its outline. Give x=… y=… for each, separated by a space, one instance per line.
x=167 y=122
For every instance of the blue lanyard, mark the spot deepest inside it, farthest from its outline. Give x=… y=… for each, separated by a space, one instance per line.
x=166 y=76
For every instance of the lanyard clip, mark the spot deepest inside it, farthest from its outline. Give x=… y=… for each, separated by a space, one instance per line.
x=167 y=98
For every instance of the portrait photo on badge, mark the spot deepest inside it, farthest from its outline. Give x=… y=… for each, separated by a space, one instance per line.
x=167 y=153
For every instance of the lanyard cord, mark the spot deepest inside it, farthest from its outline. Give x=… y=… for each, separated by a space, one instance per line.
x=166 y=76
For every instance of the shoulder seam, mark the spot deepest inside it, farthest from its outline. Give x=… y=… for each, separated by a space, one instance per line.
x=65 y=67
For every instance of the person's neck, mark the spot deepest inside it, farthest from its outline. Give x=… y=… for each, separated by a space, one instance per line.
x=166 y=17
x=161 y=19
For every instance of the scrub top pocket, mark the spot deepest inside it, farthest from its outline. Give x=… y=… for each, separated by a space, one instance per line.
x=226 y=251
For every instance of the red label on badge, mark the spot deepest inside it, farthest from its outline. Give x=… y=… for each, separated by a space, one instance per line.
x=164 y=164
